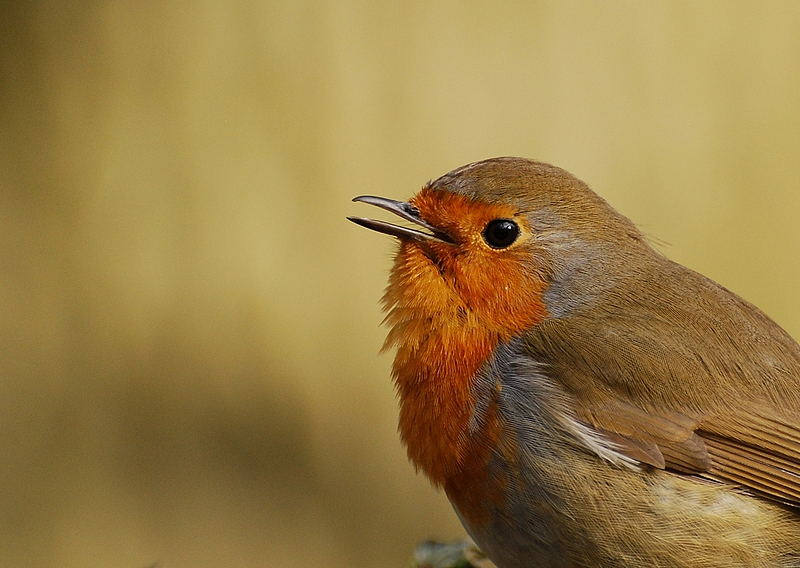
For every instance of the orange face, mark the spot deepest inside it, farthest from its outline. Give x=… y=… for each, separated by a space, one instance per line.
x=469 y=282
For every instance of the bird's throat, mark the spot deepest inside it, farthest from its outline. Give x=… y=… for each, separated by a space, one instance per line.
x=434 y=383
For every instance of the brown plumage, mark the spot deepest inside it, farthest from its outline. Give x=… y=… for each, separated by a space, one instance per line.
x=582 y=399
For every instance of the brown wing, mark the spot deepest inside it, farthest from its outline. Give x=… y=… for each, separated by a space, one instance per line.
x=751 y=449
x=666 y=440
x=681 y=374
x=758 y=449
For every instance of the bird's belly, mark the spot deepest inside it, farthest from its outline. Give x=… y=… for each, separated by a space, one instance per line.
x=574 y=509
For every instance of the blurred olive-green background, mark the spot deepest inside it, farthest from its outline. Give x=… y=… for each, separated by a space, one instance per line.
x=189 y=367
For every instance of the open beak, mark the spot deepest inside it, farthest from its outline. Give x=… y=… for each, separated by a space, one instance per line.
x=407 y=212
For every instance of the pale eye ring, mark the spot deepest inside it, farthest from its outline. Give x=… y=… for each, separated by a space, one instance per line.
x=500 y=233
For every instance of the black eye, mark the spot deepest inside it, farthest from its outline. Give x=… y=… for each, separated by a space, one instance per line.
x=500 y=233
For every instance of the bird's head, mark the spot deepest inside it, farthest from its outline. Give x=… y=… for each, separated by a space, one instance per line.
x=505 y=243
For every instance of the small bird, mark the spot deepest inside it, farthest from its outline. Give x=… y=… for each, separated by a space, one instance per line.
x=583 y=400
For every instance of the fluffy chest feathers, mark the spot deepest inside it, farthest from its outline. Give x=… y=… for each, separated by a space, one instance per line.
x=448 y=311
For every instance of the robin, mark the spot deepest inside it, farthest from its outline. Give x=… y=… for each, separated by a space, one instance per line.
x=582 y=399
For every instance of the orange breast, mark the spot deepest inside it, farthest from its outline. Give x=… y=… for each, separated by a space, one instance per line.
x=448 y=307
